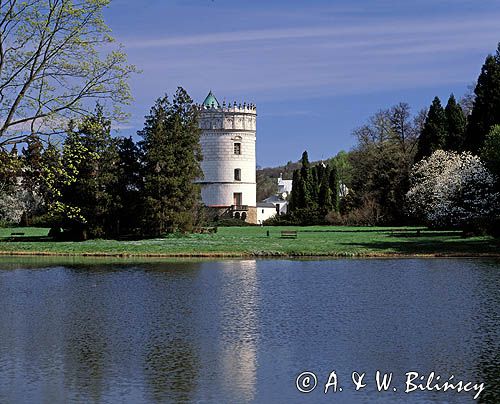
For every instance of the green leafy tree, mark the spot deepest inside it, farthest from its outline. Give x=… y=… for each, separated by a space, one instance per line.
x=10 y=168
x=32 y=177
x=56 y=60
x=172 y=154
x=381 y=163
x=52 y=171
x=455 y=125
x=60 y=170
x=486 y=110
x=433 y=136
x=343 y=167
x=490 y=152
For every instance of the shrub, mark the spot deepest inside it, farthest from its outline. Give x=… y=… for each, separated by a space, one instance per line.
x=229 y=222
x=281 y=220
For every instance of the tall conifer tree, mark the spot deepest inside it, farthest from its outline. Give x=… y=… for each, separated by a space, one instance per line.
x=295 y=194
x=325 y=193
x=433 y=134
x=172 y=155
x=486 y=110
x=455 y=125
x=306 y=185
x=333 y=182
x=129 y=186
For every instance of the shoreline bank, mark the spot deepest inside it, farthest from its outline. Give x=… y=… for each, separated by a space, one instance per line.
x=247 y=255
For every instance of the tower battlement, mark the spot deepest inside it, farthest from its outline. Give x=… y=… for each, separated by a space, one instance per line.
x=229 y=108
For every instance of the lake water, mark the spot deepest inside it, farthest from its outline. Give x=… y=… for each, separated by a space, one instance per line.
x=242 y=331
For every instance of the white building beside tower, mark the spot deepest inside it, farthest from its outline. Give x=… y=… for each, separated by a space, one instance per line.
x=228 y=144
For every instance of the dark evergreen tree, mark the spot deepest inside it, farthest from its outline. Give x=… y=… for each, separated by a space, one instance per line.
x=93 y=192
x=295 y=194
x=304 y=197
x=172 y=154
x=455 y=125
x=433 y=134
x=325 y=193
x=315 y=182
x=129 y=186
x=486 y=110
x=305 y=185
x=333 y=183
x=304 y=160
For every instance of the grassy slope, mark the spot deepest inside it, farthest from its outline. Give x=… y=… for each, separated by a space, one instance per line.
x=314 y=240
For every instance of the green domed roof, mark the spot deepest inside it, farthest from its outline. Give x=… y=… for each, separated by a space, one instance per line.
x=211 y=101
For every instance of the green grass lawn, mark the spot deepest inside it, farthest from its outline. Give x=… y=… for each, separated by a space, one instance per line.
x=244 y=241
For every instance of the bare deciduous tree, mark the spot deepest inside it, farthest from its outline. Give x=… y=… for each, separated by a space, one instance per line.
x=56 y=61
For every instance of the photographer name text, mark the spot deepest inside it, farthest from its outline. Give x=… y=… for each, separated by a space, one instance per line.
x=307 y=382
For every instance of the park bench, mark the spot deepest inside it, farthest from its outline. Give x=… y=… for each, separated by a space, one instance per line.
x=17 y=234
x=405 y=233
x=288 y=234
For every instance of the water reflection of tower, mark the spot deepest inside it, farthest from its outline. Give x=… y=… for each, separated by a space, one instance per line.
x=238 y=359
x=231 y=314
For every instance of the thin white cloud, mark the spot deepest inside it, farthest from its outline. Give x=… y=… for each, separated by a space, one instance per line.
x=481 y=23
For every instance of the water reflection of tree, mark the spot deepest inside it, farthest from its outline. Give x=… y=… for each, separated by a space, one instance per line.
x=85 y=361
x=85 y=341
x=489 y=369
x=171 y=355
x=488 y=365
x=171 y=370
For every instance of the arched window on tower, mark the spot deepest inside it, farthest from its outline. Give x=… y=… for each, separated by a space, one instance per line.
x=237 y=148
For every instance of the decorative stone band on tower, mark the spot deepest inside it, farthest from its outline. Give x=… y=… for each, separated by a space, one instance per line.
x=228 y=143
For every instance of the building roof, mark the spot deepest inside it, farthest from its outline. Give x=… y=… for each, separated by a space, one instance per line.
x=274 y=199
x=265 y=205
x=211 y=101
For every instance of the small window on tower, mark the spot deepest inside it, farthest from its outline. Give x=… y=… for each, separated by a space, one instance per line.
x=237 y=174
x=237 y=148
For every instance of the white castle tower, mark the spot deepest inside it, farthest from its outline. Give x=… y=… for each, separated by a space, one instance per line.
x=228 y=143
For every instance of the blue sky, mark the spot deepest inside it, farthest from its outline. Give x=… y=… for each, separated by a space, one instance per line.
x=316 y=69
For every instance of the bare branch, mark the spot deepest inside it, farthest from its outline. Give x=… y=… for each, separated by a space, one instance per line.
x=50 y=63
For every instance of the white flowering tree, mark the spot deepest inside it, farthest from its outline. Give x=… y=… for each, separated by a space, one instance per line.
x=450 y=189
x=11 y=208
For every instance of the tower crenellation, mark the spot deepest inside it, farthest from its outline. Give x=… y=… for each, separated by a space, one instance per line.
x=241 y=108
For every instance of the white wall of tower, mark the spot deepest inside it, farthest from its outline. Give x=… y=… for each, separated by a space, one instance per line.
x=221 y=129
x=222 y=194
